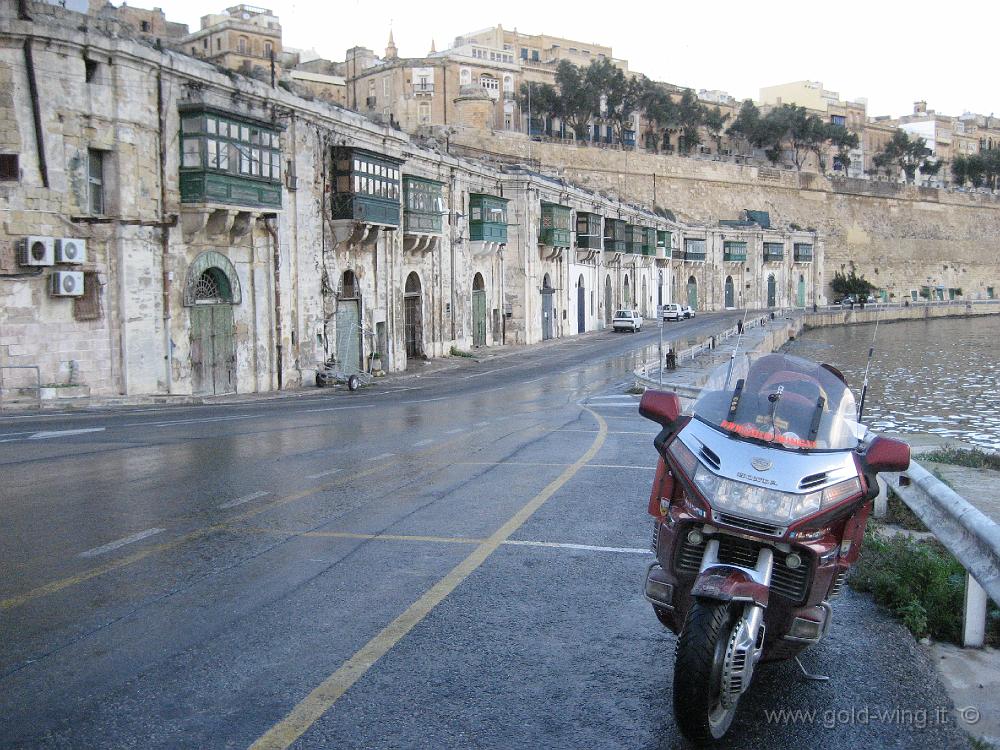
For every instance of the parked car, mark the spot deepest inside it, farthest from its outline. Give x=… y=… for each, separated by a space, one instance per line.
x=672 y=311
x=688 y=311
x=627 y=320
x=850 y=299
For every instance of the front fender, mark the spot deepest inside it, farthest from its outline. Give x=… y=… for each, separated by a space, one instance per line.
x=728 y=584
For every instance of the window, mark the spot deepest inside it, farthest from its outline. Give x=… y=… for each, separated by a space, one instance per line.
x=95 y=180
x=9 y=167
x=424 y=115
x=489 y=83
x=385 y=86
x=534 y=55
x=204 y=43
x=88 y=306
x=144 y=25
x=90 y=69
x=267 y=50
x=524 y=53
x=218 y=44
x=466 y=76
x=241 y=45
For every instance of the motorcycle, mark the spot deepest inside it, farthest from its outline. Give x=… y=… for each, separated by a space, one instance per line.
x=762 y=491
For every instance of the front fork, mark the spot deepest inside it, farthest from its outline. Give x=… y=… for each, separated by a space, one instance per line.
x=750 y=586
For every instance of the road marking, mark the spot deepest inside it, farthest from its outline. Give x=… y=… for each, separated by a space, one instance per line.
x=64 y=433
x=632 y=405
x=120 y=543
x=190 y=421
x=329 y=408
x=618 y=397
x=426 y=400
x=322 y=474
x=543 y=463
x=381 y=456
x=612 y=432
x=481 y=424
x=422 y=442
x=455 y=431
x=322 y=698
x=586 y=547
x=244 y=499
x=392 y=537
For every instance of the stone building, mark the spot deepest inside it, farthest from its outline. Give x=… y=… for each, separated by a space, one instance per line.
x=243 y=38
x=170 y=229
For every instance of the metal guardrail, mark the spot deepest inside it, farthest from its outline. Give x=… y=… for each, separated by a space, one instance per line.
x=902 y=305
x=37 y=387
x=965 y=531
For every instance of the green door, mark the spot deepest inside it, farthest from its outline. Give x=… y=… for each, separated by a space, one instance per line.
x=693 y=293
x=213 y=349
x=802 y=291
x=349 y=334
x=479 y=317
x=771 y=289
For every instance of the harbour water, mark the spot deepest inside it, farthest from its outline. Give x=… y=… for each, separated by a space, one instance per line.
x=940 y=377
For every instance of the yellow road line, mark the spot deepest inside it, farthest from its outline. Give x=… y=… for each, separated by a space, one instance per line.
x=63 y=583
x=322 y=698
x=392 y=537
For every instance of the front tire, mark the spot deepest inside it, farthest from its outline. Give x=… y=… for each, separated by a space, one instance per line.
x=701 y=652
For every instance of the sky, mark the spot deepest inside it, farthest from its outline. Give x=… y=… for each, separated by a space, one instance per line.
x=890 y=53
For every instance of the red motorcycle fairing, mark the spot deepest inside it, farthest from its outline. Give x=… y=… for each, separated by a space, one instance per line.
x=729 y=584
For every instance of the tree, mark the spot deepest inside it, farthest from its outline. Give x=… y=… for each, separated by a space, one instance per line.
x=904 y=154
x=579 y=102
x=540 y=100
x=840 y=138
x=714 y=122
x=746 y=126
x=851 y=283
x=690 y=115
x=960 y=169
x=660 y=113
x=621 y=94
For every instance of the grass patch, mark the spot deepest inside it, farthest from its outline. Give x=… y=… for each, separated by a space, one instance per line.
x=635 y=390
x=973 y=458
x=456 y=352
x=921 y=583
x=898 y=513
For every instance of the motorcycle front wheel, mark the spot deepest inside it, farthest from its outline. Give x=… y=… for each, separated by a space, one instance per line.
x=699 y=708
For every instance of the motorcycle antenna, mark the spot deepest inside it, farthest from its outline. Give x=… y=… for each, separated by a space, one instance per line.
x=732 y=357
x=871 y=354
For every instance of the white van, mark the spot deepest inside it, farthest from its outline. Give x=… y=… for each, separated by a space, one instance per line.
x=672 y=311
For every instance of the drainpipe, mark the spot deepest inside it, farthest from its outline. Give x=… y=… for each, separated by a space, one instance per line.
x=36 y=111
x=168 y=275
x=277 y=293
x=451 y=245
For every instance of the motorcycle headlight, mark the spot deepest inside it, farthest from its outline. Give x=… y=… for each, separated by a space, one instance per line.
x=766 y=504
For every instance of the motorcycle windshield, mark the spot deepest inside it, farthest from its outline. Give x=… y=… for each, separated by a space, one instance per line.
x=784 y=401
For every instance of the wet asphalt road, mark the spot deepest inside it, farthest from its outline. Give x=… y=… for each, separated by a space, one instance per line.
x=455 y=561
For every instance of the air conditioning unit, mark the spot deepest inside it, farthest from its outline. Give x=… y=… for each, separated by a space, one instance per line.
x=69 y=250
x=67 y=284
x=36 y=251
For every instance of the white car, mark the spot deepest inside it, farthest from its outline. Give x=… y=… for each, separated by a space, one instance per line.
x=672 y=311
x=626 y=320
x=688 y=311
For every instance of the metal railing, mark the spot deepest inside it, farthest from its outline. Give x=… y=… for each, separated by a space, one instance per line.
x=37 y=388
x=966 y=532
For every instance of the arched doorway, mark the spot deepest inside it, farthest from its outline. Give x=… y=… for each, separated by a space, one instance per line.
x=478 y=311
x=730 y=293
x=581 y=305
x=626 y=295
x=212 y=289
x=771 y=290
x=349 y=321
x=547 y=317
x=693 y=292
x=609 y=301
x=413 y=329
x=802 y=290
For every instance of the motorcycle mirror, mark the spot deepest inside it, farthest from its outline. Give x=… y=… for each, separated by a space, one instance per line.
x=886 y=454
x=662 y=407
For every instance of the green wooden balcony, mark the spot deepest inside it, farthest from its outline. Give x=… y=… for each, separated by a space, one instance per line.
x=614 y=235
x=487 y=218
x=803 y=252
x=695 y=250
x=366 y=187
x=589 y=233
x=734 y=251
x=423 y=205
x=633 y=238
x=556 y=228
x=774 y=251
